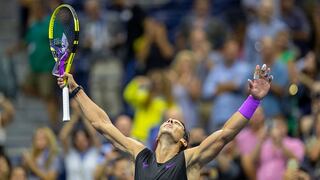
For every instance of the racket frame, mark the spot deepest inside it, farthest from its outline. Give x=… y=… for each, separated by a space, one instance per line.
x=65 y=90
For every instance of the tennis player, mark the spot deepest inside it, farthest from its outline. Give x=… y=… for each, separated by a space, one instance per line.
x=171 y=159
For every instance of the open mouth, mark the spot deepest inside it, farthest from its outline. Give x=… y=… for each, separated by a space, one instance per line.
x=168 y=125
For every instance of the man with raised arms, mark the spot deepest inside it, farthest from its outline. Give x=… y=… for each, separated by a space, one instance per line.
x=171 y=159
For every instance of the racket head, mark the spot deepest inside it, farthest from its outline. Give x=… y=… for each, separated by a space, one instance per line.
x=63 y=37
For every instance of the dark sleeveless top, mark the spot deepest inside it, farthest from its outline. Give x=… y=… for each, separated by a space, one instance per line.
x=147 y=168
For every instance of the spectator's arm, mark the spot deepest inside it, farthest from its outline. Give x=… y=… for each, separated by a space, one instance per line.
x=8 y=111
x=32 y=166
x=92 y=133
x=248 y=166
x=65 y=132
x=314 y=152
x=162 y=41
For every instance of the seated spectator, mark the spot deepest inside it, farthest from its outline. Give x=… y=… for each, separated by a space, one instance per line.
x=109 y=153
x=150 y=97
x=18 y=173
x=41 y=161
x=123 y=169
x=297 y=23
x=201 y=18
x=153 y=49
x=265 y=25
x=80 y=146
x=6 y=116
x=272 y=102
x=226 y=84
x=186 y=86
x=286 y=53
x=276 y=150
x=5 y=167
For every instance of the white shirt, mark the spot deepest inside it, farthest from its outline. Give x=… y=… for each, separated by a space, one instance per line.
x=81 y=168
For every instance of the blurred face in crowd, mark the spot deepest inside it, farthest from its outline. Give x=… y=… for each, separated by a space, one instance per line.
x=81 y=140
x=4 y=167
x=184 y=63
x=202 y=7
x=287 y=5
x=123 y=170
x=197 y=38
x=282 y=40
x=265 y=10
x=279 y=128
x=230 y=51
x=92 y=9
x=197 y=135
x=267 y=50
x=18 y=173
x=40 y=140
x=124 y=124
x=257 y=120
x=38 y=8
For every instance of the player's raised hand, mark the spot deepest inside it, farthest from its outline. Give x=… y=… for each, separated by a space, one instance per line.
x=260 y=85
x=67 y=79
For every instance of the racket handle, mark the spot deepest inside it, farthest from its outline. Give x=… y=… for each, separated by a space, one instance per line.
x=65 y=104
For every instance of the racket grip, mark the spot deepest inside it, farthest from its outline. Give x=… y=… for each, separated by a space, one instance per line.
x=65 y=104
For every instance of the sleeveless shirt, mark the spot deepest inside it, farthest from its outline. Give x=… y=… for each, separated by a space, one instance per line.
x=147 y=168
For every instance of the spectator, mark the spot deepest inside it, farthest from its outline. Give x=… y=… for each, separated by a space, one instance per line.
x=41 y=161
x=277 y=150
x=272 y=102
x=265 y=25
x=287 y=54
x=186 y=86
x=5 y=167
x=297 y=23
x=201 y=18
x=39 y=81
x=18 y=173
x=226 y=83
x=80 y=146
x=150 y=97
x=6 y=115
x=308 y=76
x=203 y=56
x=111 y=153
x=123 y=169
x=153 y=49
x=254 y=135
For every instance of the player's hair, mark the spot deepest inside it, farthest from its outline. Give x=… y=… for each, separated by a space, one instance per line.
x=186 y=136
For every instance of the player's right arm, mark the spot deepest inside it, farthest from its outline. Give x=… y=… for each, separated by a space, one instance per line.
x=100 y=120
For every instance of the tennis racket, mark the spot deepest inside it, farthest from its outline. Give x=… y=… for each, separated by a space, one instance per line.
x=64 y=39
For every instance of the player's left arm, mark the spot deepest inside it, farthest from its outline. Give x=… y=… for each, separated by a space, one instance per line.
x=213 y=144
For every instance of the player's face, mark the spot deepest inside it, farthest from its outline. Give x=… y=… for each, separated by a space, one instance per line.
x=173 y=127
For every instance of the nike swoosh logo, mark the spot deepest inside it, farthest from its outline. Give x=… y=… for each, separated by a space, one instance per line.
x=168 y=166
x=145 y=165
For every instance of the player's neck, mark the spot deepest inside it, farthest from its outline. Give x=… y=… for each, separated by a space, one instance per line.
x=166 y=149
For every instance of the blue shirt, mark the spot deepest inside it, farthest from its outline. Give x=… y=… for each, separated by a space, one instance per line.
x=227 y=103
x=255 y=32
x=271 y=103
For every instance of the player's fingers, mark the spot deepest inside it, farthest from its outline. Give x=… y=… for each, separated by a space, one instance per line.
x=270 y=78
x=256 y=72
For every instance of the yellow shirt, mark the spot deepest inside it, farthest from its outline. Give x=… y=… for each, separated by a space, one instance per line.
x=145 y=117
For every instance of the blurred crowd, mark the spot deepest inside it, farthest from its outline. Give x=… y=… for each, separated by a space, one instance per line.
x=144 y=61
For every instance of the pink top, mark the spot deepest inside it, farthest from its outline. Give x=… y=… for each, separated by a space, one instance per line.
x=246 y=141
x=273 y=161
